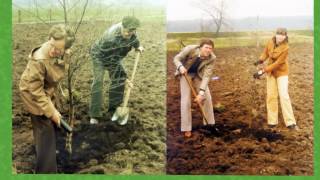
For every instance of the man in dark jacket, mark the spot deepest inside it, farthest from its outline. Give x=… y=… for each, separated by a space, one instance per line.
x=107 y=54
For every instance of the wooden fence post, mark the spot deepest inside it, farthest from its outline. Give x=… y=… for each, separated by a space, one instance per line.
x=19 y=16
x=50 y=15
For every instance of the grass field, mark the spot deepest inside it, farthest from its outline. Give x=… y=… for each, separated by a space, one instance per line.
x=234 y=39
x=28 y=15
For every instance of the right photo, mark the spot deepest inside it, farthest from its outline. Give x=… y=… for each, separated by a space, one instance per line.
x=240 y=81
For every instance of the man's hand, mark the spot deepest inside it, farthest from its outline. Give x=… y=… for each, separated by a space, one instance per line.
x=200 y=99
x=258 y=62
x=56 y=118
x=68 y=51
x=140 y=49
x=182 y=70
x=258 y=74
x=129 y=83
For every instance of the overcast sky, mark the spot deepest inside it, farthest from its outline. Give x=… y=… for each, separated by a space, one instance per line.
x=184 y=9
x=43 y=3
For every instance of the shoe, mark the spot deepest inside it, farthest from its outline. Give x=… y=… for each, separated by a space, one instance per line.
x=293 y=127
x=94 y=121
x=111 y=115
x=271 y=126
x=187 y=134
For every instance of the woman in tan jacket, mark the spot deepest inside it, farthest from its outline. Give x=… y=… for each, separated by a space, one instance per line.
x=39 y=81
x=277 y=70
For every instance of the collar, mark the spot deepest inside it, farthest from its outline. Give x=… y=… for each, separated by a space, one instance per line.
x=203 y=58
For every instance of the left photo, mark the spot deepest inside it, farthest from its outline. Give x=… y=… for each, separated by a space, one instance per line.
x=89 y=87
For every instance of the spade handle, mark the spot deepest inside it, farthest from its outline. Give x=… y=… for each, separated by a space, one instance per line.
x=126 y=98
x=195 y=95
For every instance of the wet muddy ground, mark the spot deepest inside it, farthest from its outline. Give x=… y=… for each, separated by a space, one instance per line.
x=240 y=142
x=138 y=147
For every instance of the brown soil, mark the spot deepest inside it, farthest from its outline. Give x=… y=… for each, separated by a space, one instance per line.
x=138 y=147
x=240 y=143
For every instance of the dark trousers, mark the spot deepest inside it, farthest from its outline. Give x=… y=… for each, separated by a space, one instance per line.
x=117 y=76
x=45 y=141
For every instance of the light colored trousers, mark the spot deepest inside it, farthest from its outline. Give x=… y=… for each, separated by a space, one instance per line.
x=186 y=97
x=278 y=87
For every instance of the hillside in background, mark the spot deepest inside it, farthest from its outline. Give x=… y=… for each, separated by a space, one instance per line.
x=246 y=24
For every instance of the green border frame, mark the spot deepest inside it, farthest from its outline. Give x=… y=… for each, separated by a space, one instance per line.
x=6 y=105
x=5 y=89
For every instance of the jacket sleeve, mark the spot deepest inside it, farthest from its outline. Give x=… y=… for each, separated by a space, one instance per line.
x=182 y=55
x=280 y=60
x=136 y=43
x=265 y=53
x=36 y=88
x=107 y=45
x=208 y=72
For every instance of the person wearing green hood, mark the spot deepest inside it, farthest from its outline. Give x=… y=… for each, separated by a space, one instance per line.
x=107 y=54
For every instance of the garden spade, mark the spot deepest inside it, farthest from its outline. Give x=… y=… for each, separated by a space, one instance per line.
x=122 y=112
x=195 y=95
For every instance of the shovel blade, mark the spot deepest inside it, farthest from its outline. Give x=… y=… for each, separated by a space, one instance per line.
x=121 y=115
x=123 y=121
x=114 y=117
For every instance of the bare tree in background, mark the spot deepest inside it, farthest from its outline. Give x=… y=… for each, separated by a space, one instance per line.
x=215 y=9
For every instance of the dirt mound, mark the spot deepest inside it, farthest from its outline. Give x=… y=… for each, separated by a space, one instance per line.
x=233 y=132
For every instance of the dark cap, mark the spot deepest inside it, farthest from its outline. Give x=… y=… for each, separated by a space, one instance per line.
x=130 y=22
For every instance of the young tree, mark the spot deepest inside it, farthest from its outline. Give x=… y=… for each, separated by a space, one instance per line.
x=79 y=9
x=75 y=61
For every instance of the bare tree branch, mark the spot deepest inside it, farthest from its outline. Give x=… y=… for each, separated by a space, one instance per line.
x=29 y=12
x=36 y=7
x=65 y=12
x=82 y=15
x=216 y=10
x=73 y=6
x=61 y=3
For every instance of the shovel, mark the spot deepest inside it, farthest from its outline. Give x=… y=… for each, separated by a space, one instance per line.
x=195 y=95
x=65 y=125
x=122 y=112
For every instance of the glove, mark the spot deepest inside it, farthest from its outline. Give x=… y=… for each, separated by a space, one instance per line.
x=258 y=62
x=258 y=74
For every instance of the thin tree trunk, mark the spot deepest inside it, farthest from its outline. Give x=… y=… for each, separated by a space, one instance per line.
x=71 y=113
x=65 y=12
x=50 y=15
